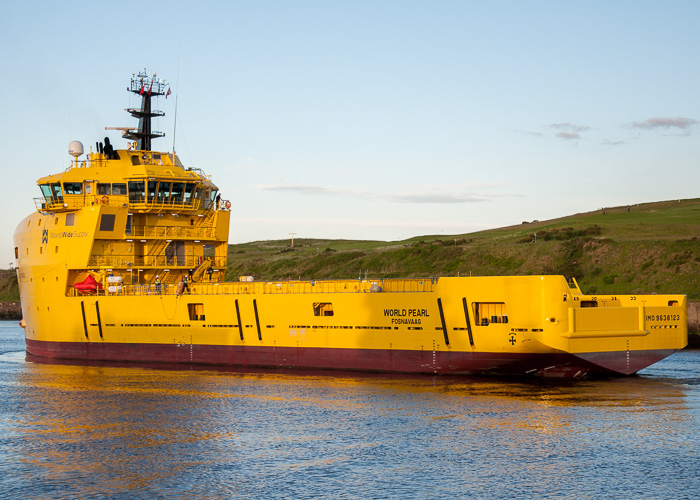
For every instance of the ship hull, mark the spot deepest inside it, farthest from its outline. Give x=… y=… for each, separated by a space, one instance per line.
x=550 y=365
x=458 y=326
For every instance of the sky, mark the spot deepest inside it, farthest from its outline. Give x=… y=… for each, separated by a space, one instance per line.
x=359 y=119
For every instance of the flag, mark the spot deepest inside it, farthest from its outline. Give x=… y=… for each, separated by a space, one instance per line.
x=167 y=93
x=150 y=88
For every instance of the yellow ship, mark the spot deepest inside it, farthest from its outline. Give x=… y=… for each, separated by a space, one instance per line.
x=125 y=256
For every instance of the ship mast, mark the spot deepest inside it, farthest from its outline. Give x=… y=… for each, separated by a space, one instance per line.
x=146 y=87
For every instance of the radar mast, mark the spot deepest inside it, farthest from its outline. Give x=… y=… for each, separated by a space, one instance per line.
x=146 y=87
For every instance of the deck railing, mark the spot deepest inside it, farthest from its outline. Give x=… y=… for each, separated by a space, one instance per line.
x=172 y=232
x=282 y=287
x=75 y=202
x=151 y=261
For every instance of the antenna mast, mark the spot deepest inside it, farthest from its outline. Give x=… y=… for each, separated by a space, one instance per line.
x=177 y=86
x=146 y=87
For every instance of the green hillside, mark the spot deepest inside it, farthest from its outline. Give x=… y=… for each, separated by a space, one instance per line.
x=9 y=291
x=645 y=248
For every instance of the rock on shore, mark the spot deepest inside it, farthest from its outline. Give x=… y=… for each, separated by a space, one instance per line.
x=10 y=310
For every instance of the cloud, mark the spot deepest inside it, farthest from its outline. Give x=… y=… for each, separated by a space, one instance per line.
x=569 y=127
x=440 y=194
x=437 y=198
x=528 y=132
x=568 y=135
x=665 y=123
x=610 y=142
x=300 y=188
x=361 y=222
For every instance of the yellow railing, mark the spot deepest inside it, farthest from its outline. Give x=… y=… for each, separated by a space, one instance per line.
x=173 y=232
x=284 y=287
x=74 y=202
x=151 y=261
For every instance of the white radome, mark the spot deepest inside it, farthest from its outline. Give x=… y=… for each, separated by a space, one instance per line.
x=75 y=149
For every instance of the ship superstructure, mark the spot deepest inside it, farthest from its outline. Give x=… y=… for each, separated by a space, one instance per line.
x=125 y=257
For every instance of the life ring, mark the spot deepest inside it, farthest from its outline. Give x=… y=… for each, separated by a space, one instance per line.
x=227 y=205
x=105 y=200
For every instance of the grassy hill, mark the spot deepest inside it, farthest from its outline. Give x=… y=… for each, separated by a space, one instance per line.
x=9 y=291
x=652 y=247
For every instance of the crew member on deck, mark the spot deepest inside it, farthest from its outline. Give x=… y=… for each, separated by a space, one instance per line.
x=183 y=286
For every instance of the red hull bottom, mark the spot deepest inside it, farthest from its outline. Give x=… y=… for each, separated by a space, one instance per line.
x=561 y=365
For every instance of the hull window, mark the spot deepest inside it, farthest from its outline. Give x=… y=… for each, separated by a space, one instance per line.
x=486 y=313
x=196 y=312
x=323 y=309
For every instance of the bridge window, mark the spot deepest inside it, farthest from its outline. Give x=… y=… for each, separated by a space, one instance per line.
x=46 y=191
x=57 y=191
x=178 y=188
x=73 y=187
x=152 y=190
x=119 y=189
x=163 y=192
x=189 y=189
x=137 y=191
x=486 y=313
x=104 y=188
x=323 y=309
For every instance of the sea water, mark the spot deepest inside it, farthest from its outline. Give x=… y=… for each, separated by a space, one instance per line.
x=72 y=431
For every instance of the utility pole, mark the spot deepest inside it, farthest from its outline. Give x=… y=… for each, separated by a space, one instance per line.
x=292 y=238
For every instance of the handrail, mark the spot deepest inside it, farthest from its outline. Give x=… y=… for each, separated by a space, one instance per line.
x=173 y=232
x=411 y=285
x=151 y=261
x=75 y=202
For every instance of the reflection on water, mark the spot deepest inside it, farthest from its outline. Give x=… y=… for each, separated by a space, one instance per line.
x=109 y=431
